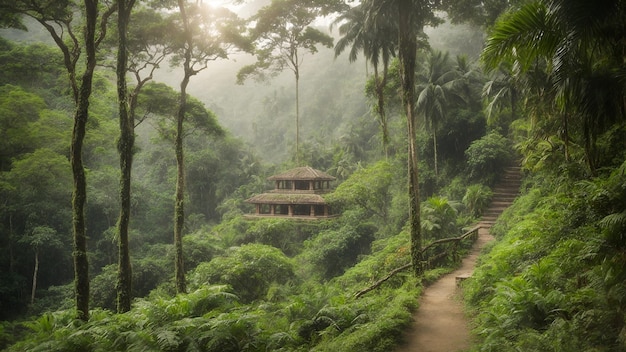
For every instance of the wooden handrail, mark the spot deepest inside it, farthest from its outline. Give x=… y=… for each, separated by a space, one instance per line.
x=473 y=232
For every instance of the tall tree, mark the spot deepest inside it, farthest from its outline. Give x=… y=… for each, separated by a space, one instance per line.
x=204 y=34
x=283 y=34
x=376 y=37
x=125 y=149
x=407 y=51
x=410 y=17
x=39 y=238
x=79 y=197
x=57 y=18
x=142 y=47
x=413 y=15
x=436 y=80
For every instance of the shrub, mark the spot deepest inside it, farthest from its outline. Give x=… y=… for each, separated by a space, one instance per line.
x=332 y=251
x=439 y=218
x=249 y=270
x=487 y=156
x=477 y=198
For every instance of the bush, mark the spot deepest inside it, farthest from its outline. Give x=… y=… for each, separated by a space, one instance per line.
x=250 y=270
x=487 y=157
x=477 y=198
x=439 y=218
x=332 y=251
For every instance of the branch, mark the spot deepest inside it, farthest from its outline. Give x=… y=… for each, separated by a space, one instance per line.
x=104 y=21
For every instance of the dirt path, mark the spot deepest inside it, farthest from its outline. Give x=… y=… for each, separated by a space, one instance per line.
x=440 y=324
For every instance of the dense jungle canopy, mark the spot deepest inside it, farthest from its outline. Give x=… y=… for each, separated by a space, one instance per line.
x=132 y=132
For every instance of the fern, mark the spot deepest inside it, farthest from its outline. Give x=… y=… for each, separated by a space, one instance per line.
x=614 y=222
x=168 y=340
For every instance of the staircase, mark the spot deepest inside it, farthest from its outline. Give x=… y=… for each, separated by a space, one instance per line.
x=504 y=193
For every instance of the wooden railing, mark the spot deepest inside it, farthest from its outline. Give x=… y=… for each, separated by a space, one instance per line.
x=472 y=235
x=428 y=262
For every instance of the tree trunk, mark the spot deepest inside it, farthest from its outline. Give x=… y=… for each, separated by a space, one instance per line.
x=407 y=47
x=35 y=272
x=297 y=73
x=179 y=206
x=125 y=149
x=566 y=135
x=435 y=152
x=79 y=196
x=10 y=242
x=380 y=94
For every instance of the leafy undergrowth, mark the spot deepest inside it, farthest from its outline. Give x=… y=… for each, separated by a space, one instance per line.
x=556 y=279
x=297 y=315
x=267 y=285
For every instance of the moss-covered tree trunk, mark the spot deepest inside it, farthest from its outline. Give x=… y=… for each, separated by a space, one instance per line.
x=407 y=43
x=79 y=195
x=125 y=149
x=381 y=82
x=179 y=206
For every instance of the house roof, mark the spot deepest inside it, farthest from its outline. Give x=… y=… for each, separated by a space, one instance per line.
x=287 y=198
x=305 y=173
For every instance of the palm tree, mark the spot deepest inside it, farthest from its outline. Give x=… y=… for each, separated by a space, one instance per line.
x=409 y=17
x=435 y=85
x=412 y=17
x=583 y=45
x=500 y=91
x=376 y=38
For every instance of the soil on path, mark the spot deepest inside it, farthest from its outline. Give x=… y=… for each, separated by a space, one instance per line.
x=440 y=324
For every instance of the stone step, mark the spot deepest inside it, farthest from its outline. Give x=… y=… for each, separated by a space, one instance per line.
x=504 y=193
x=497 y=202
x=508 y=199
x=490 y=211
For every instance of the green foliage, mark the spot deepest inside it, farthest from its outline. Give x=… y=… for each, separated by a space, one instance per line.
x=477 y=198
x=282 y=33
x=283 y=234
x=334 y=250
x=368 y=189
x=487 y=156
x=249 y=270
x=36 y=67
x=555 y=281
x=160 y=100
x=438 y=218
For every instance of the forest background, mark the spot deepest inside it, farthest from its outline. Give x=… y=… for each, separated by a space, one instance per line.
x=275 y=284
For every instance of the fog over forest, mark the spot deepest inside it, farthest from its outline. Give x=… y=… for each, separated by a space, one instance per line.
x=182 y=211
x=332 y=92
x=262 y=113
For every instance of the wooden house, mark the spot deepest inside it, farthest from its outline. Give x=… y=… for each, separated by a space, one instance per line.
x=297 y=193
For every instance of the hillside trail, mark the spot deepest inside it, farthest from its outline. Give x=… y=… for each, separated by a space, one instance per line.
x=440 y=323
